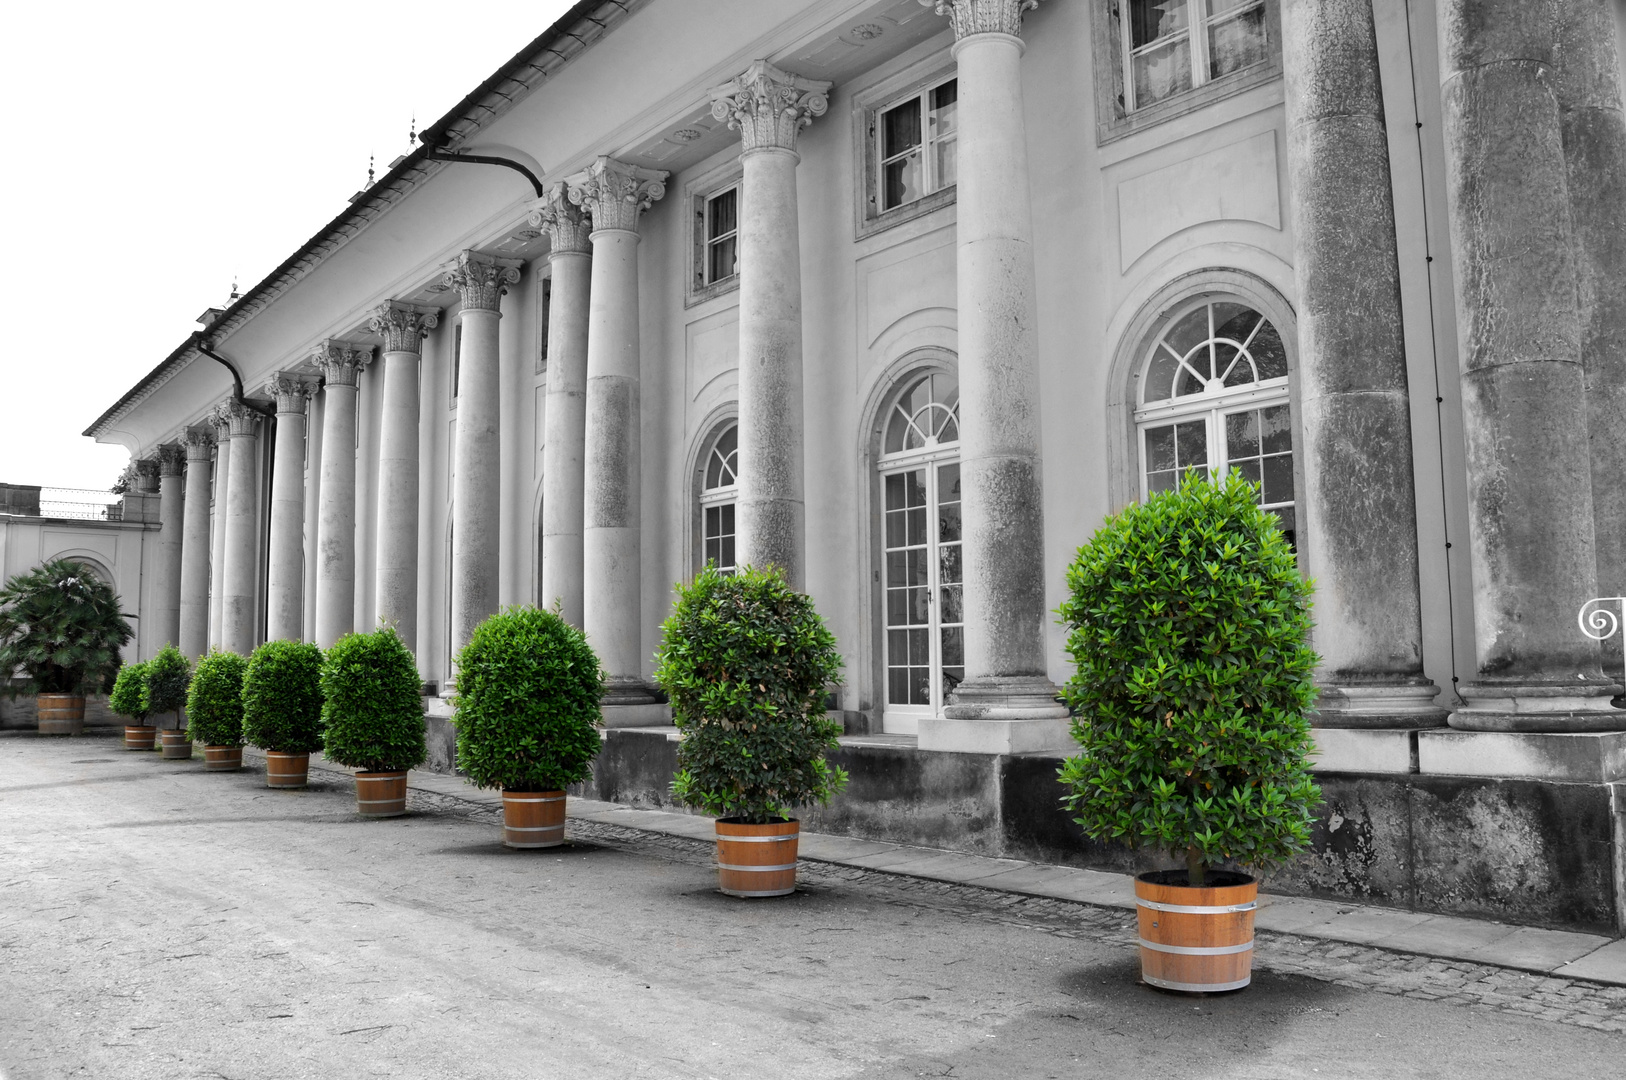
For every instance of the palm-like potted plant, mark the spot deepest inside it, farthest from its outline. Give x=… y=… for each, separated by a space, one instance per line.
x=214 y=710
x=526 y=708
x=746 y=661
x=60 y=625
x=168 y=676
x=129 y=700
x=282 y=709
x=1188 y=621
x=372 y=717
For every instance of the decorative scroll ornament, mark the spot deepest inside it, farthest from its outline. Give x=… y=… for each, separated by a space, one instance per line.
x=1598 y=622
x=482 y=280
x=983 y=16
x=340 y=362
x=126 y=481
x=200 y=443
x=615 y=193
x=403 y=326
x=171 y=459
x=290 y=391
x=568 y=226
x=769 y=107
x=146 y=475
x=238 y=419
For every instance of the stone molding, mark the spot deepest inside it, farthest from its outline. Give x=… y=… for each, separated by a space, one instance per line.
x=970 y=17
x=403 y=326
x=171 y=459
x=482 y=280
x=237 y=418
x=769 y=107
x=340 y=362
x=615 y=193
x=290 y=391
x=569 y=227
x=146 y=475
x=200 y=444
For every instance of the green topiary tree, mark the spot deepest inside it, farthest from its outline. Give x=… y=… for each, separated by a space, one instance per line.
x=168 y=675
x=129 y=696
x=282 y=697
x=527 y=703
x=61 y=626
x=214 y=702
x=1188 y=618
x=372 y=708
x=745 y=659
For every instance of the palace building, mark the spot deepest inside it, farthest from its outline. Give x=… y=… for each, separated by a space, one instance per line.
x=906 y=296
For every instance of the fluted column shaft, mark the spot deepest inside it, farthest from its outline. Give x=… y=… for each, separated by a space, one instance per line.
x=340 y=365
x=194 y=615
x=217 y=532
x=242 y=505
x=171 y=518
x=285 y=584
x=395 y=582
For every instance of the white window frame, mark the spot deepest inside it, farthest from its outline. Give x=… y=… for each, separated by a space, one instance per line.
x=926 y=147
x=868 y=103
x=698 y=194
x=708 y=240
x=721 y=495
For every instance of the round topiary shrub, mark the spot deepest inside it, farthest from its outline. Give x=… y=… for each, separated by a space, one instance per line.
x=282 y=697
x=129 y=696
x=526 y=705
x=168 y=676
x=214 y=702
x=1188 y=619
x=745 y=660
x=372 y=707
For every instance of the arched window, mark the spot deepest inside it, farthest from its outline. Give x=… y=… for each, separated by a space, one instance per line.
x=924 y=620
x=1214 y=396
x=719 y=492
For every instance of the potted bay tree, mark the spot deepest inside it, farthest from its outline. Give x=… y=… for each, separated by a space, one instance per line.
x=129 y=700
x=282 y=709
x=61 y=628
x=214 y=710
x=372 y=717
x=168 y=676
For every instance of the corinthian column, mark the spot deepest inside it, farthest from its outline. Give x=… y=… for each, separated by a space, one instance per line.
x=477 y=484
x=569 y=230
x=615 y=194
x=769 y=108
x=340 y=364
x=171 y=511
x=395 y=584
x=1530 y=515
x=217 y=529
x=285 y=585
x=242 y=505
x=1355 y=412
x=1006 y=703
x=194 y=622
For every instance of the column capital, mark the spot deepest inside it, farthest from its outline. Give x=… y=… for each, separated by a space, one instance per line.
x=482 y=279
x=970 y=17
x=145 y=474
x=291 y=392
x=615 y=193
x=769 y=107
x=568 y=226
x=339 y=361
x=403 y=326
x=200 y=443
x=171 y=459
x=237 y=419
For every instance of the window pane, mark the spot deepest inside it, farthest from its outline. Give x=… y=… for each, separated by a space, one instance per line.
x=948 y=522
x=948 y=569
x=721 y=260
x=946 y=174
x=916 y=567
x=945 y=108
x=1268 y=354
x=1276 y=426
x=896 y=561
x=894 y=492
x=897 y=646
x=918 y=607
x=1191 y=445
x=1189 y=332
x=901 y=181
x=897 y=686
x=1242 y=435
x=948 y=483
x=1287 y=521
x=728 y=520
x=1236 y=43
x=895 y=529
x=724 y=214
x=915 y=489
x=953 y=611
x=920 y=686
x=900 y=129
x=725 y=559
x=1162 y=71
x=1160 y=375
x=917 y=526
x=1152 y=19
x=1160 y=449
x=1249 y=470
x=714 y=551
x=1156 y=482
x=953 y=646
x=897 y=607
x=1279 y=479
x=1233 y=364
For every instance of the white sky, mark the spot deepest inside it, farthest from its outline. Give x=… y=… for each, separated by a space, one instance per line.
x=157 y=150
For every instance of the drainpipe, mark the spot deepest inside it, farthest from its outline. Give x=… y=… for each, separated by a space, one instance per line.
x=436 y=153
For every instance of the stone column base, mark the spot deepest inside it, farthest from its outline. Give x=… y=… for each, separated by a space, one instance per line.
x=1400 y=704
x=1000 y=715
x=626 y=690
x=1556 y=707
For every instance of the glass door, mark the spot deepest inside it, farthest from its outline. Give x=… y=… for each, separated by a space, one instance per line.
x=925 y=611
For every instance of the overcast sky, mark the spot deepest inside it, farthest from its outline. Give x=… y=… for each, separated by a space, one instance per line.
x=157 y=150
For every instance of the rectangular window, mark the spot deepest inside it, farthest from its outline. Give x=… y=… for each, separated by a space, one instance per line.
x=915 y=146
x=457 y=357
x=719 y=258
x=719 y=535
x=545 y=298
x=1171 y=46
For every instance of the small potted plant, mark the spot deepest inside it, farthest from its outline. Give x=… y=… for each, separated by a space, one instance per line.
x=372 y=717
x=526 y=709
x=282 y=709
x=168 y=676
x=60 y=625
x=129 y=700
x=1187 y=618
x=746 y=660
x=214 y=710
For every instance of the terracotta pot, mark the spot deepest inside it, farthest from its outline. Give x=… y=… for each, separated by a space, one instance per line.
x=1196 y=939
x=139 y=737
x=286 y=770
x=176 y=746
x=756 y=860
x=381 y=794
x=533 y=819
x=222 y=758
x=61 y=714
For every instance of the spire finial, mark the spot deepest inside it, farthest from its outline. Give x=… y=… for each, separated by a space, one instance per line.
x=412 y=135
x=370 y=159
x=235 y=295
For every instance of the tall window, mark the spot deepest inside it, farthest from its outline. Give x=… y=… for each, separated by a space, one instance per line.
x=719 y=256
x=718 y=495
x=916 y=141
x=920 y=500
x=1214 y=396
x=1170 y=46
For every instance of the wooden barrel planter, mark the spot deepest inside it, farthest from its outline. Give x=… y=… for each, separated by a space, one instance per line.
x=533 y=819
x=756 y=860
x=1198 y=940
x=286 y=770
x=61 y=714
x=137 y=737
x=222 y=758
x=176 y=745
x=381 y=794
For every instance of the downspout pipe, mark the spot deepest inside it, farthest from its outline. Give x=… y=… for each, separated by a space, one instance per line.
x=437 y=153
x=202 y=345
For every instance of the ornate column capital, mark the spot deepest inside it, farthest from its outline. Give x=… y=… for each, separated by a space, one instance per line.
x=171 y=459
x=200 y=443
x=482 y=279
x=970 y=17
x=769 y=107
x=146 y=475
x=290 y=391
x=568 y=226
x=237 y=419
x=615 y=193
x=403 y=326
x=340 y=362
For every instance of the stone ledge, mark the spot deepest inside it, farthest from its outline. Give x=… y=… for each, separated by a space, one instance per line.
x=1579 y=757
x=1364 y=750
